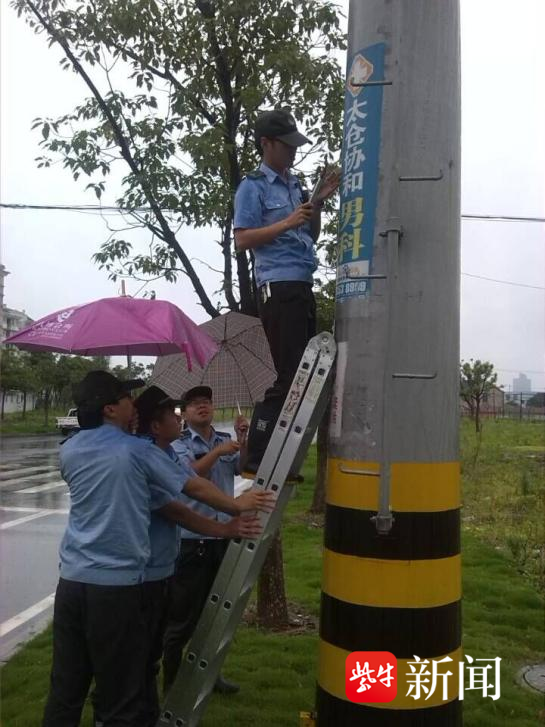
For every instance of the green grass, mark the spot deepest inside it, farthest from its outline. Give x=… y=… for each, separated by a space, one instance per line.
x=33 y=423
x=503 y=616
x=504 y=490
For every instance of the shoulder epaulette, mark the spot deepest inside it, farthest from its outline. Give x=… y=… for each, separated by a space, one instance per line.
x=255 y=174
x=70 y=436
x=223 y=434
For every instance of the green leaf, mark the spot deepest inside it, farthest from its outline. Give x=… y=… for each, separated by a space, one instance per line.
x=189 y=80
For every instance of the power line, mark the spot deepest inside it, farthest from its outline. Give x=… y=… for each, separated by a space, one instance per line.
x=111 y=208
x=503 y=218
x=122 y=208
x=80 y=207
x=504 y=282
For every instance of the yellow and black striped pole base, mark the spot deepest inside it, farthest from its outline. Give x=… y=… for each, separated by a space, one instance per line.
x=398 y=593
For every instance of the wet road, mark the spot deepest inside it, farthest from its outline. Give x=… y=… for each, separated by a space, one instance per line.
x=33 y=510
x=34 y=504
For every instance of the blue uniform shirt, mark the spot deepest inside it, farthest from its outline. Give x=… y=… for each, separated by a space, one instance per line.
x=115 y=480
x=190 y=447
x=262 y=200
x=163 y=534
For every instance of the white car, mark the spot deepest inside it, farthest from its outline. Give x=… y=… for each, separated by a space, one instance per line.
x=68 y=423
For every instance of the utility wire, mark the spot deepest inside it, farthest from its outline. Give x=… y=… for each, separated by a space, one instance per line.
x=503 y=218
x=504 y=282
x=112 y=208
x=122 y=208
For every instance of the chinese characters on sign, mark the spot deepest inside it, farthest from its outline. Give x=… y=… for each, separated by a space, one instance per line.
x=372 y=676
x=423 y=682
x=359 y=187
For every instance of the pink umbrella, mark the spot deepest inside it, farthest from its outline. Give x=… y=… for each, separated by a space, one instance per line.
x=117 y=327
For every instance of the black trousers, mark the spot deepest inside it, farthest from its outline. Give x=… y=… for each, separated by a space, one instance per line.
x=156 y=596
x=289 y=321
x=99 y=632
x=155 y=600
x=196 y=569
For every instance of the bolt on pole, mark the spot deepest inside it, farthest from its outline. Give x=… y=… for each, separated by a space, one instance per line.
x=392 y=570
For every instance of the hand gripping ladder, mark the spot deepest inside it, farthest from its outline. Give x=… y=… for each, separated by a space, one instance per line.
x=303 y=409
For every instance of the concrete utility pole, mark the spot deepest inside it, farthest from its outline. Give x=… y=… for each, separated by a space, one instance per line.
x=391 y=578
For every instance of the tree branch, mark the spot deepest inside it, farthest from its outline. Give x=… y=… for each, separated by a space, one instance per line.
x=167 y=75
x=169 y=236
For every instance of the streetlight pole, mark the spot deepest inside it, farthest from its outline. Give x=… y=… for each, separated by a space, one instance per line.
x=391 y=579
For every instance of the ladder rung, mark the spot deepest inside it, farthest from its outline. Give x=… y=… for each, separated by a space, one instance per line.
x=301 y=414
x=414 y=376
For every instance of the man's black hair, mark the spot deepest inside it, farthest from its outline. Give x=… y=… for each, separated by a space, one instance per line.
x=144 y=426
x=90 y=418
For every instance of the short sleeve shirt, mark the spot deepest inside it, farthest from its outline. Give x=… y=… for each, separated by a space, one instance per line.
x=163 y=533
x=190 y=447
x=115 y=481
x=263 y=199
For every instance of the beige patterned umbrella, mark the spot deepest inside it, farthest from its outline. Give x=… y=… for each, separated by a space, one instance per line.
x=240 y=372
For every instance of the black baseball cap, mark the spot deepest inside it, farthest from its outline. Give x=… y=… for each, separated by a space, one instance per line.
x=151 y=403
x=99 y=388
x=279 y=124
x=195 y=393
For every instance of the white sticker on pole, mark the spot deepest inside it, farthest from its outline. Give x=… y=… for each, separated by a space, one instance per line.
x=335 y=421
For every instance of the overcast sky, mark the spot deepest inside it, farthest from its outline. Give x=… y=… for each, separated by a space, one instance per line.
x=503 y=173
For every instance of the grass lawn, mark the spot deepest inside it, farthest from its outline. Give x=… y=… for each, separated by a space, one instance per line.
x=33 y=423
x=504 y=490
x=503 y=611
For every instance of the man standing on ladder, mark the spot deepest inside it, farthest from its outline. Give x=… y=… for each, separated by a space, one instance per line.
x=216 y=456
x=274 y=219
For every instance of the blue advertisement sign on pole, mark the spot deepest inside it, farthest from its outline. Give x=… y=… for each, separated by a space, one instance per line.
x=359 y=186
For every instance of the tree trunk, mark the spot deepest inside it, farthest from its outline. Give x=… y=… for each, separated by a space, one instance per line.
x=129 y=154
x=477 y=417
x=248 y=304
x=24 y=404
x=228 y=263
x=3 y=402
x=272 y=607
x=46 y=407
x=318 y=499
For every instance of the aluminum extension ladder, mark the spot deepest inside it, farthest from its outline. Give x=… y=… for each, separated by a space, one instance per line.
x=303 y=409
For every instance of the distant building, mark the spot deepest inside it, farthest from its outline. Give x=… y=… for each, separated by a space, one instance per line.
x=492 y=403
x=11 y=321
x=522 y=384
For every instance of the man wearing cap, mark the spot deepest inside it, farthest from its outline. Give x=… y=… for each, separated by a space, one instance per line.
x=273 y=219
x=99 y=624
x=214 y=455
x=158 y=422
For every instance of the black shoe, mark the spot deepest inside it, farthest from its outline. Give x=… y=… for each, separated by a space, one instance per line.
x=262 y=425
x=222 y=686
x=263 y=422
